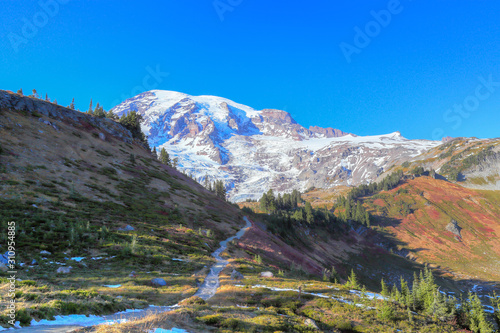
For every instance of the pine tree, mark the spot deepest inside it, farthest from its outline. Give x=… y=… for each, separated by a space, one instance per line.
x=155 y=154
x=352 y=281
x=220 y=189
x=309 y=213
x=385 y=291
x=99 y=111
x=47 y=97
x=72 y=105
x=20 y=92
x=35 y=94
x=175 y=162
x=111 y=115
x=90 y=110
x=164 y=157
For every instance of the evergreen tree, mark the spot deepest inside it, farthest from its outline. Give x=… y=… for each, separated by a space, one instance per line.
x=99 y=111
x=352 y=281
x=155 y=154
x=20 y=92
x=35 y=94
x=72 y=105
x=309 y=213
x=164 y=157
x=111 y=115
x=47 y=97
x=385 y=291
x=175 y=162
x=220 y=189
x=90 y=110
x=132 y=121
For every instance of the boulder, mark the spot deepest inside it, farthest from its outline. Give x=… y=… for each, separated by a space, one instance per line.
x=4 y=258
x=267 y=274
x=454 y=228
x=127 y=228
x=102 y=137
x=235 y=275
x=158 y=282
x=64 y=270
x=311 y=323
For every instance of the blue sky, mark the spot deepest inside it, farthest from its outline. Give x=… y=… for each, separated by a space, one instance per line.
x=425 y=68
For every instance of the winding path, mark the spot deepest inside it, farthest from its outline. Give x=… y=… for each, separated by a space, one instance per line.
x=72 y=322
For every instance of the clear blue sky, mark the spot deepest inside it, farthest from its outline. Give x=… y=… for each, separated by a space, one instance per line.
x=428 y=57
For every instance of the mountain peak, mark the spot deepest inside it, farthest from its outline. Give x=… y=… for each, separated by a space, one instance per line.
x=254 y=150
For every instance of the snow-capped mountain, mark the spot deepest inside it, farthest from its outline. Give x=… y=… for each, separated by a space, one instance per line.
x=253 y=150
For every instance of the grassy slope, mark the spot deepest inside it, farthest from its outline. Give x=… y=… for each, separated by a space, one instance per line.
x=417 y=214
x=70 y=191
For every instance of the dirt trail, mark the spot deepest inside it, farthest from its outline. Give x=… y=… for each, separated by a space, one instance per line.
x=207 y=290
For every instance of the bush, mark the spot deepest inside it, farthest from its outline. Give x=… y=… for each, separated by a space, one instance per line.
x=23 y=317
x=194 y=300
x=387 y=312
x=211 y=319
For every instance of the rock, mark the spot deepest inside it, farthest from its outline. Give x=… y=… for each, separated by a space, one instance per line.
x=4 y=258
x=311 y=323
x=3 y=267
x=64 y=270
x=454 y=228
x=34 y=262
x=267 y=274
x=127 y=228
x=235 y=275
x=45 y=252
x=102 y=137
x=132 y=274
x=158 y=282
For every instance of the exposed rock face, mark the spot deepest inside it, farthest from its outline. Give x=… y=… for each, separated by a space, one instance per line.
x=447 y=139
x=327 y=132
x=454 y=228
x=253 y=151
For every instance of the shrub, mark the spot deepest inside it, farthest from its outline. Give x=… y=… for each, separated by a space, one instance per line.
x=387 y=312
x=211 y=319
x=194 y=300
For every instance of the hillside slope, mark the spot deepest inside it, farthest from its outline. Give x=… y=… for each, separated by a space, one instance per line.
x=444 y=224
x=470 y=162
x=84 y=193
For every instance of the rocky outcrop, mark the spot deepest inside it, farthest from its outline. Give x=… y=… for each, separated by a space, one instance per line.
x=40 y=108
x=454 y=228
x=328 y=132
